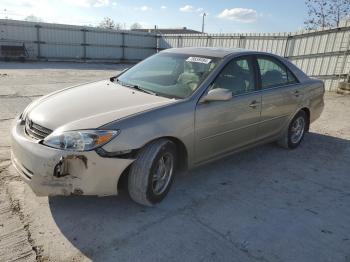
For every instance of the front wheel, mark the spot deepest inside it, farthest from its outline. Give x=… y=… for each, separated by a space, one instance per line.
x=296 y=131
x=152 y=173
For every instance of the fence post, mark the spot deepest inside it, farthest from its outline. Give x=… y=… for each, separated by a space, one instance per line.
x=84 y=44
x=38 y=42
x=179 y=41
x=157 y=42
x=123 y=46
x=241 y=43
x=288 y=49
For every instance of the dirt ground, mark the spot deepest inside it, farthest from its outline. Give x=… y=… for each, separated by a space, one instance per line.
x=264 y=204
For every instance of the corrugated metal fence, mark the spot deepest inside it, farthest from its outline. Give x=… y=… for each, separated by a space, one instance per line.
x=324 y=54
x=67 y=42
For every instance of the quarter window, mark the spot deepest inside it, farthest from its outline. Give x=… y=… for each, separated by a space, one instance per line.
x=273 y=73
x=237 y=76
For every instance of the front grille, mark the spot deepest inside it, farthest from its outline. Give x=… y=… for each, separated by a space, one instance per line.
x=36 y=131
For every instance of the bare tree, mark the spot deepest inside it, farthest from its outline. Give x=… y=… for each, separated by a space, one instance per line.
x=33 y=18
x=318 y=11
x=135 y=26
x=339 y=9
x=108 y=23
x=326 y=13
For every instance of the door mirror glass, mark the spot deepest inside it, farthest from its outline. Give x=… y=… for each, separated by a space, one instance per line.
x=217 y=94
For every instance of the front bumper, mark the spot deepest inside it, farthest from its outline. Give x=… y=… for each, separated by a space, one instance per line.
x=85 y=173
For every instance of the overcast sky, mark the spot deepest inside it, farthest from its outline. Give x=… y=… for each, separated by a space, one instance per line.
x=223 y=16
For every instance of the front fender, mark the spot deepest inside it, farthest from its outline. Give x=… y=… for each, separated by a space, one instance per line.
x=175 y=120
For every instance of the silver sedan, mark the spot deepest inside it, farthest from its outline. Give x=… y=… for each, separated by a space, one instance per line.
x=173 y=111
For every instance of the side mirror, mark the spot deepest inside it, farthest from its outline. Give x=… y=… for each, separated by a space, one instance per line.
x=217 y=94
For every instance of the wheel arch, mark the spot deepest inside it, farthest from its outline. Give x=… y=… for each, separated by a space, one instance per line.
x=181 y=151
x=181 y=154
x=307 y=112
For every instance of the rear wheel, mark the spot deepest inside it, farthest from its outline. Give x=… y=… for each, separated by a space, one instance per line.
x=296 y=131
x=152 y=173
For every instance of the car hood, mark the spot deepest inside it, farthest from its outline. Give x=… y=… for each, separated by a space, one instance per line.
x=91 y=106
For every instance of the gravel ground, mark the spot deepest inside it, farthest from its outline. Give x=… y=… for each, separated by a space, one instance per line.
x=264 y=204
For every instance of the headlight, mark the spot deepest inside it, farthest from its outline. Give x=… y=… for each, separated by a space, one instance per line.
x=80 y=140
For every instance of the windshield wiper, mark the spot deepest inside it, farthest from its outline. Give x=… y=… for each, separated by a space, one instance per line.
x=136 y=87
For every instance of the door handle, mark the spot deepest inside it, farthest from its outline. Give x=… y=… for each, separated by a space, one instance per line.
x=254 y=104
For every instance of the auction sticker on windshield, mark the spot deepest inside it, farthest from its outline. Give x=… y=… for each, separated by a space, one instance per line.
x=202 y=60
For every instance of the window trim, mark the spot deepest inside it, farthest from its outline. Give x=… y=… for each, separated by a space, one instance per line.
x=278 y=62
x=252 y=60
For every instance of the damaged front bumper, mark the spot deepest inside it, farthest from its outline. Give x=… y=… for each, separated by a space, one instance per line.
x=50 y=171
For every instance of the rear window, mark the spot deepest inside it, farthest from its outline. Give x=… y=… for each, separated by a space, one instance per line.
x=274 y=73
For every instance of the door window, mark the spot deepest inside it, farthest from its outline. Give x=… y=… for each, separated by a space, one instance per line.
x=274 y=73
x=237 y=76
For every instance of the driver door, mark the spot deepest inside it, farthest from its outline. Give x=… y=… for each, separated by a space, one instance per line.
x=223 y=126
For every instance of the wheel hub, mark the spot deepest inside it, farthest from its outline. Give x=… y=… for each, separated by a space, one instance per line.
x=297 y=130
x=162 y=173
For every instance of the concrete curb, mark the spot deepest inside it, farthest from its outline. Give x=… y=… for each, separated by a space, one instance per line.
x=15 y=191
x=47 y=243
x=15 y=241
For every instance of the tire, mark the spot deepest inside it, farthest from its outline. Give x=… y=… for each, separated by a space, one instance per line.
x=147 y=169
x=290 y=139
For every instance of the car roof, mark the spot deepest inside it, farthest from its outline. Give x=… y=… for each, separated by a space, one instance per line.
x=208 y=51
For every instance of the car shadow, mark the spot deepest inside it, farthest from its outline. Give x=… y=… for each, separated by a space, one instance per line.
x=267 y=179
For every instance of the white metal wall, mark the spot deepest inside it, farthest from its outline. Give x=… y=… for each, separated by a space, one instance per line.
x=319 y=53
x=66 y=42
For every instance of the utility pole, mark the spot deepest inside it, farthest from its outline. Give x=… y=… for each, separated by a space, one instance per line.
x=204 y=14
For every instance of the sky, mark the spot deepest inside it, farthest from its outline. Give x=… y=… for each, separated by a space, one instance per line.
x=223 y=16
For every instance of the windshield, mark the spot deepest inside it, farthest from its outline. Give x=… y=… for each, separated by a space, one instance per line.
x=170 y=75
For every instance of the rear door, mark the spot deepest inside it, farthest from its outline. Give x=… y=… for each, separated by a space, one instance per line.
x=280 y=95
x=222 y=126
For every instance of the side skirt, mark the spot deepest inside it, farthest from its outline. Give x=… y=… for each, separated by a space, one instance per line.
x=237 y=150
